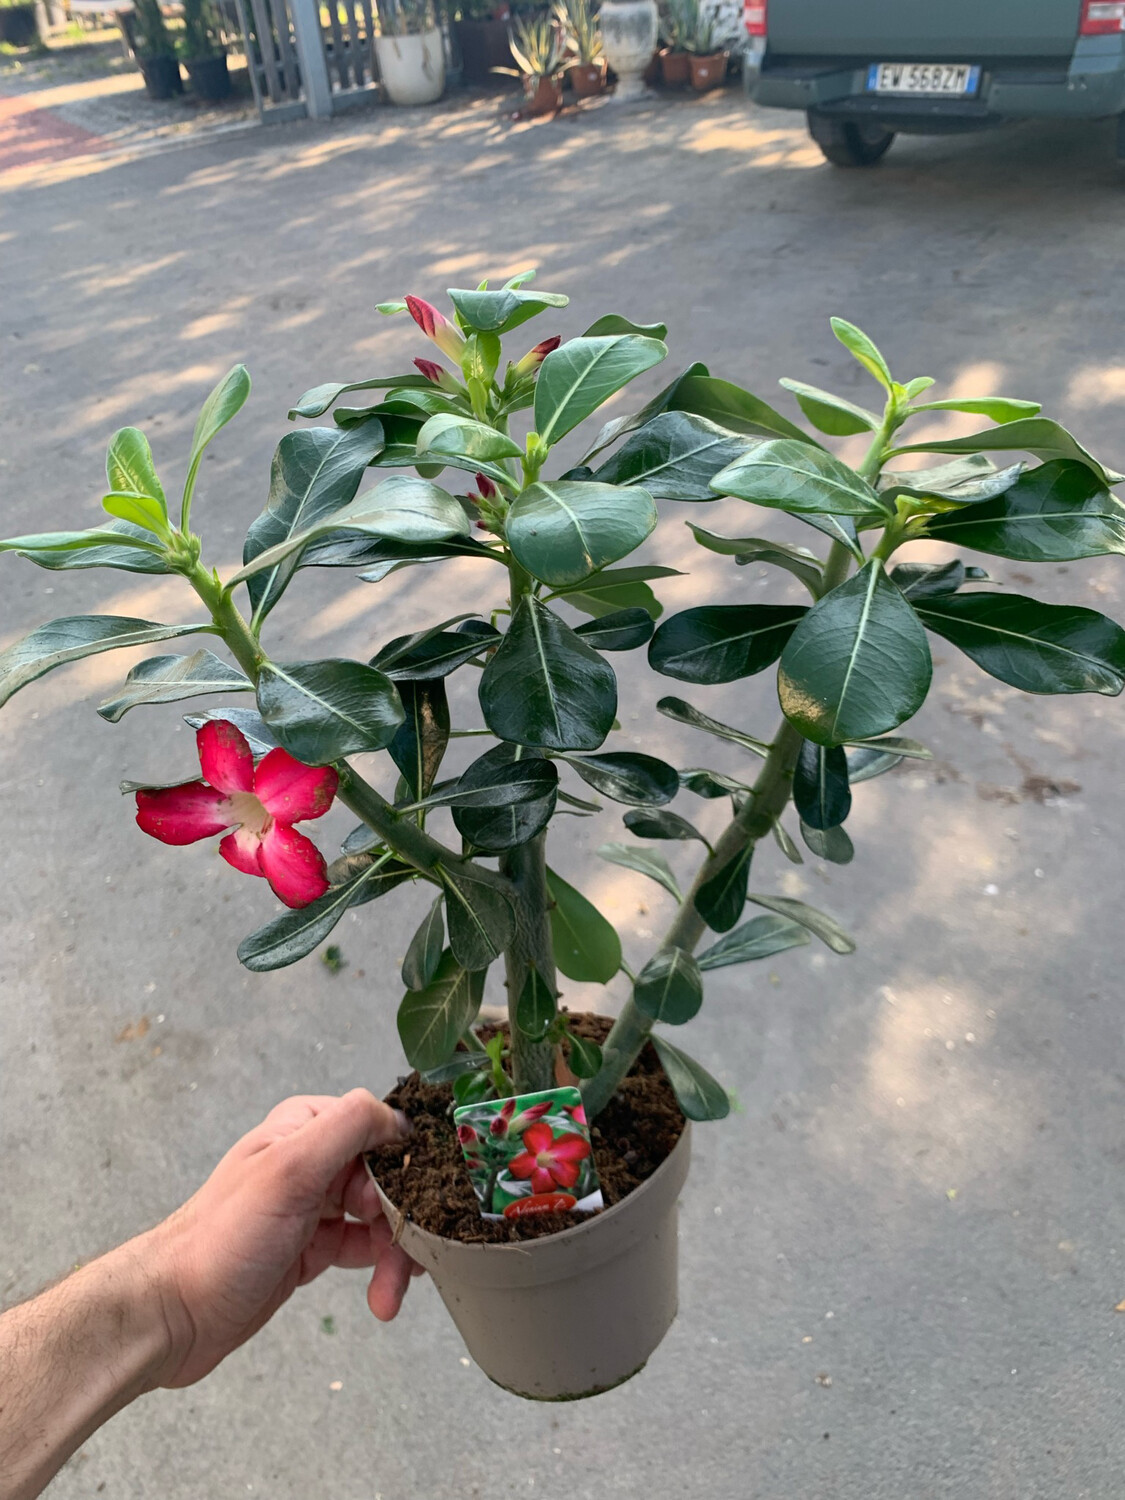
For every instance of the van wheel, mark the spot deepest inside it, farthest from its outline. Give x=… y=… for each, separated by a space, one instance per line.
x=846 y=144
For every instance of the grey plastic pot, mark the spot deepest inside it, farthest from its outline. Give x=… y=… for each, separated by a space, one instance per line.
x=572 y=1314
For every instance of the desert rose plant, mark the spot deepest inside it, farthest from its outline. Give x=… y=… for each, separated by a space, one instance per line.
x=474 y=437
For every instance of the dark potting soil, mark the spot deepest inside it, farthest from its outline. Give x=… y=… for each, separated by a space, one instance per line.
x=426 y=1176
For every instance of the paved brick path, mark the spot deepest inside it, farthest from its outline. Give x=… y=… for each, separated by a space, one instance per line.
x=31 y=134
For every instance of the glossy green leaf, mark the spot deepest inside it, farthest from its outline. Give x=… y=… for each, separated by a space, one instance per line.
x=1055 y=513
x=660 y=823
x=427 y=654
x=470 y=1086
x=675 y=457
x=819 y=923
x=820 y=786
x=478 y=915
x=420 y=741
x=995 y=408
x=831 y=844
x=697 y=1093
x=712 y=784
x=722 y=642
x=759 y=938
x=840 y=528
x=423 y=955
x=166 y=679
x=129 y=467
x=730 y=406
x=628 y=776
x=119 y=544
x=323 y=710
x=684 y=713
x=830 y=413
x=857 y=664
x=248 y=721
x=294 y=934
x=583 y=1055
x=433 y=1020
x=784 y=841
x=615 y=323
x=545 y=687
x=1037 y=647
x=720 y=899
x=796 y=477
x=586 y=946
x=644 y=862
x=665 y=400
x=856 y=342
x=143 y=511
x=866 y=762
x=316 y=402
x=896 y=744
x=382 y=556
x=494 y=829
x=575 y=379
x=116 y=535
x=536 y=1007
x=799 y=561
x=1037 y=435
x=619 y=588
x=965 y=480
x=221 y=405
x=929 y=580
x=620 y=630
x=670 y=987
x=496 y=785
x=563 y=531
x=447 y=435
x=74 y=637
x=503 y=310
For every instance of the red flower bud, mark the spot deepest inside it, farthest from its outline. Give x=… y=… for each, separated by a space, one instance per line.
x=430 y=369
x=535 y=357
x=485 y=487
x=466 y=1135
x=448 y=339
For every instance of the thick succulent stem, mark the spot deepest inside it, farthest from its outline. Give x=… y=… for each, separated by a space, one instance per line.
x=531 y=947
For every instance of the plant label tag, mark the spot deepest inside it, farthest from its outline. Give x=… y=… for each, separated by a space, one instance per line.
x=530 y=1155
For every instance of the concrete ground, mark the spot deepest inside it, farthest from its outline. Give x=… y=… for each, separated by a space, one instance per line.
x=902 y=1255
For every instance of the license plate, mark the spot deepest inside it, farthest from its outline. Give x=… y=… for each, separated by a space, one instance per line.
x=958 y=79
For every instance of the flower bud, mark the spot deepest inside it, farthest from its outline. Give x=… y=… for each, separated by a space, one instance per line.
x=449 y=340
x=430 y=369
x=535 y=357
x=466 y=1135
x=485 y=487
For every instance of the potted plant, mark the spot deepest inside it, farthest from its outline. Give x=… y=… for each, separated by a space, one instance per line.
x=410 y=52
x=202 y=51
x=18 y=25
x=568 y=1306
x=482 y=37
x=155 y=51
x=708 y=65
x=579 y=25
x=540 y=55
x=678 y=19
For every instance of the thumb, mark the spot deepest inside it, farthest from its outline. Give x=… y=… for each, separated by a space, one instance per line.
x=340 y=1131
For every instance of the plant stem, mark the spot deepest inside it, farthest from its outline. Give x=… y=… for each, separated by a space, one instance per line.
x=526 y=868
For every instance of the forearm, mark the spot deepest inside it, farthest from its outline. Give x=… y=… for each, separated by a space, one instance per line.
x=72 y=1357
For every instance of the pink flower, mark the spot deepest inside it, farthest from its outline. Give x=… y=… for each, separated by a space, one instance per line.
x=547 y=1161
x=260 y=804
x=449 y=340
x=577 y=1113
x=535 y=357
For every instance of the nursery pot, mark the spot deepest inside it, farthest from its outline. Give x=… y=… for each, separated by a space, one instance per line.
x=586 y=79
x=412 y=67
x=484 y=46
x=574 y=1313
x=162 y=76
x=545 y=98
x=708 y=72
x=629 y=30
x=675 y=68
x=208 y=77
x=18 y=25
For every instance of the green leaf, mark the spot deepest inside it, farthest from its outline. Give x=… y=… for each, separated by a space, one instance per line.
x=615 y=323
x=381 y=556
x=423 y=954
x=665 y=400
x=544 y=687
x=575 y=379
x=720 y=899
x=1055 y=513
x=432 y=1021
x=831 y=844
x=684 y=713
x=420 y=741
x=129 y=467
x=563 y=531
x=618 y=588
x=459 y=1066
x=819 y=923
x=1037 y=435
x=840 y=528
x=784 y=841
x=450 y=436
x=586 y=946
x=314 y=473
x=221 y=405
x=697 y=1093
x=478 y=915
x=929 y=580
x=628 y=776
x=143 y=511
x=536 y=1007
x=133 y=539
x=497 y=785
x=829 y=413
x=249 y=721
x=119 y=545
x=74 y=637
x=675 y=457
x=323 y=710
x=799 y=561
x=820 y=786
x=316 y=402
x=761 y=937
x=494 y=829
x=620 y=630
x=867 y=762
x=732 y=407
x=965 y=481
x=584 y=1056
x=856 y=342
x=645 y=862
x=166 y=679
x=1037 y=647
x=995 y=408
x=294 y=934
x=798 y=478
x=857 y=664
x=428 y=654
x=712 y=784
x=501 y=311
x=661 y=823
x=722 y=642
x=670 y=987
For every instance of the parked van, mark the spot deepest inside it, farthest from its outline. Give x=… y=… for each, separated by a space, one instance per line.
x=863 y=70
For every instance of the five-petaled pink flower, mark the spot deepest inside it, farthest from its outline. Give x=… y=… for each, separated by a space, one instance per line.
x=450 y=340
x=548 y=1161
x=260 y=804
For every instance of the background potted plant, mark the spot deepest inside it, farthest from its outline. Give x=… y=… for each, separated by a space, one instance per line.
x=586 y=66
x=539 y=51
x=678 y=19
x=155 y=51
x=202 y=51
x=18 y=24
x=410 y=51
x=708 y=65
x=566 y=1311
x=481 y=32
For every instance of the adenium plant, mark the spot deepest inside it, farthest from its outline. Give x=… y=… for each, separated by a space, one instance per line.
x=853 y=663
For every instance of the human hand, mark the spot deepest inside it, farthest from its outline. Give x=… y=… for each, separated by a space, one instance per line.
x=270 y=1218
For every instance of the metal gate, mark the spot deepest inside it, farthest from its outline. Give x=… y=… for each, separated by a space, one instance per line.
x=305 y=61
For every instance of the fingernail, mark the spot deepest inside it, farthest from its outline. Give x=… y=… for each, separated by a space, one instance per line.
x=404 y=1126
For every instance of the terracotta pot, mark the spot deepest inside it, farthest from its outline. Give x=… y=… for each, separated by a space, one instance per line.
x=586 y=79
x=544 y=99
x=675 y=68
x=484 y=46
x=161 y=76
x=575 y=1313
x=708 y=72
x=208 y=77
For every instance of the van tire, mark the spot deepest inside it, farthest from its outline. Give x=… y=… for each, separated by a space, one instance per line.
x=847 y=144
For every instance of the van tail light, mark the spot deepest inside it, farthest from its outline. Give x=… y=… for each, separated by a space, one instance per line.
x=754 y=16
x=1099 y=17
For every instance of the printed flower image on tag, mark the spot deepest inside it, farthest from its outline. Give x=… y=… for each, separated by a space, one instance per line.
x=531 y=1154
